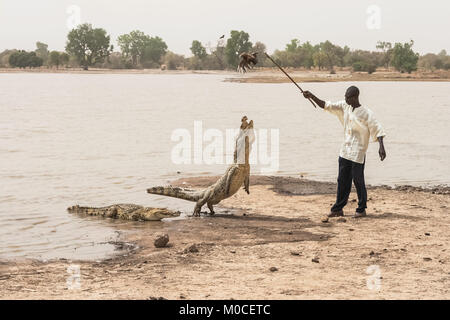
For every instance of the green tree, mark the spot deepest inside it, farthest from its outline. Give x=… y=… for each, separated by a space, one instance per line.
x=4 y=58
x=198 y=50
x=430 y=61
x=89 y=46
x=292 y=56
x=364 y=66
x=54 y=59
x=42 y=51
x=319 y=59
x=301 y=55
x=64 y=58
x=292 y=47
x=404 y=59
x=443 y=53
x=23 y=59
x=386 y=47
x=281 y=57
x=331 y=53
x=34 y=61
x=216 y=60
x=361 y=60
x=133 y=45
x=173 y=61
x=154 y=50
x=261 y=49
x=16 y=59
x=194 y=63
x=236 y=44
x=116 y=61
x=442 y=61
x=308 y=52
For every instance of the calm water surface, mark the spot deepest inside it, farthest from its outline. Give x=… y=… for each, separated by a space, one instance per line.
x=101 y=139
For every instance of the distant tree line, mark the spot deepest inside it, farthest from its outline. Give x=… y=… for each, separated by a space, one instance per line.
x=431 y=61
x=34 y=59
x=327 y=55
x=91 y=47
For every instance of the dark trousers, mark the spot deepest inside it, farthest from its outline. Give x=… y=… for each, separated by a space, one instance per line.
x=348 y=171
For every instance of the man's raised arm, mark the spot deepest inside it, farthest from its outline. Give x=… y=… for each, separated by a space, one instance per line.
x=309 y=95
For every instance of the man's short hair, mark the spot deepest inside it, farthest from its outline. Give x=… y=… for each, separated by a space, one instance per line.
x=352 y=91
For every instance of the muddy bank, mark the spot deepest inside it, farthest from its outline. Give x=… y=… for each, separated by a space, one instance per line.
x=300 y=186
x=275 y=76
x=270 y=244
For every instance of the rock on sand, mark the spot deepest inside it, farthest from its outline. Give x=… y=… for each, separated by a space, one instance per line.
x=161 y=240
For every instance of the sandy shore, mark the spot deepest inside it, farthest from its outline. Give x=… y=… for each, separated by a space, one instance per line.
x=405 y=238
x=264 y=75
x=276 y=76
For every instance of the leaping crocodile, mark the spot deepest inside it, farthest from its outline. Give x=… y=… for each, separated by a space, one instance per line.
x=236 y=175
x=126 y=212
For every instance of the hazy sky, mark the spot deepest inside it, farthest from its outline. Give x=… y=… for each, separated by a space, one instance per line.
x=356 y=23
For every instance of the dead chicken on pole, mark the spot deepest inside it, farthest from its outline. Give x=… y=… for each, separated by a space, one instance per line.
x=248 y=61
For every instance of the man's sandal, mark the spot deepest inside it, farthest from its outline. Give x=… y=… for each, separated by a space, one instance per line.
x=334 y=214
x=360 y=214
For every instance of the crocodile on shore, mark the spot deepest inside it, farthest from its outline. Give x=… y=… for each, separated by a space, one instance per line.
x=126 y=212
x=236 y=175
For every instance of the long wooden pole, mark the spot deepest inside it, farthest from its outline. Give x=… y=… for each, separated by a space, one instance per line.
x=288 y=76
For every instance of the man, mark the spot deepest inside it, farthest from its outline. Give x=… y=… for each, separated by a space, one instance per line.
x=359 y=126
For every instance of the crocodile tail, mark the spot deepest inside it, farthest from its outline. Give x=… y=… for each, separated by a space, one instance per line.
x=175 y=192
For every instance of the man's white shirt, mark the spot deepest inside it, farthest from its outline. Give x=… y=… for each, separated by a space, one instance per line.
x=360 y=126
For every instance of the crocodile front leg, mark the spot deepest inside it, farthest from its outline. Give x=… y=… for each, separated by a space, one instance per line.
x=199 y=205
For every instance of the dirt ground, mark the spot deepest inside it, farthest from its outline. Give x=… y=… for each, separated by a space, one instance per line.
x=270 y=244
x=301 y=75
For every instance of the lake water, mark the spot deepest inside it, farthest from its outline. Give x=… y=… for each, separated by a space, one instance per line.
x=100 y=139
